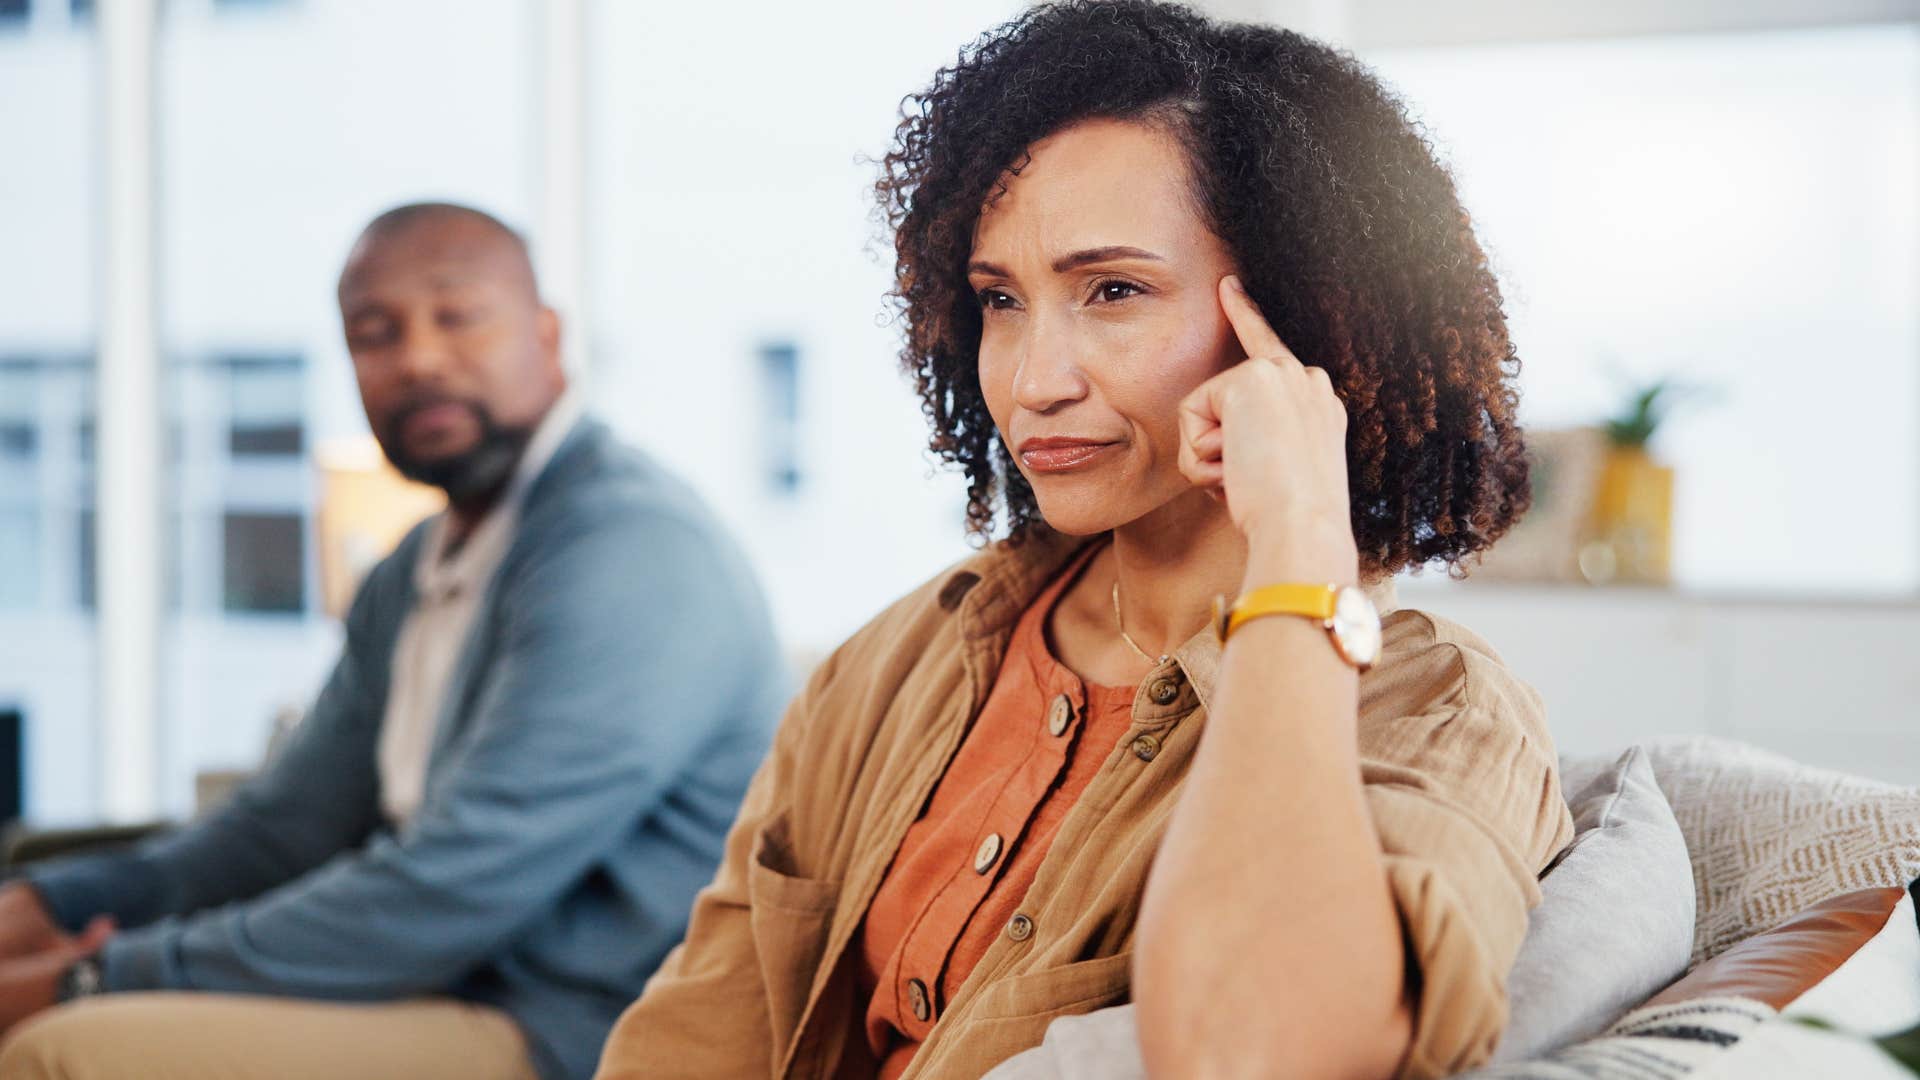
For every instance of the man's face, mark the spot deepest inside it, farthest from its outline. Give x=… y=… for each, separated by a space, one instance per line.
x=456 y=357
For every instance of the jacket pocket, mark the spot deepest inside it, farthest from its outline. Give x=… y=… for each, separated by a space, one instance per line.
x=1078 y=987
x=1012 y=1015
x=790 y=916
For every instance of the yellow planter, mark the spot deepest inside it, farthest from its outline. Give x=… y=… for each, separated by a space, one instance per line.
x=1632 y=518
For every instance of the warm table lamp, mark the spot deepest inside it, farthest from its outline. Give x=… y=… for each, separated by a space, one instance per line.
x=365 y=509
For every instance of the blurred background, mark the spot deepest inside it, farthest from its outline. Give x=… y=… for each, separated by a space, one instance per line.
x=1705 y=215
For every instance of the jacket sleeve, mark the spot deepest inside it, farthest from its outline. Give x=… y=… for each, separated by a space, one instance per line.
x=601 y=694
x=705 y=1011
x=1467 y=804
x=314 y=800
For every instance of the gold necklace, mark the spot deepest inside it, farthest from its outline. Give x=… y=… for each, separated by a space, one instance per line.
x=1121 y=624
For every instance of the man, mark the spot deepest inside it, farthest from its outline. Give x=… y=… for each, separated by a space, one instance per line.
x=491 y=825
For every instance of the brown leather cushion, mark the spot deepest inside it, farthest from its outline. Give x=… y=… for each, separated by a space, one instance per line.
x=1778 y=966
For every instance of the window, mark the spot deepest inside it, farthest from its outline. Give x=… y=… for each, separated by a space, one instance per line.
x=266 y=405
x=86 y=560
x=780 y=415
x=264 y=563
x=19 y=412
x=18 y=437
x=20 y=501
x=19 y=557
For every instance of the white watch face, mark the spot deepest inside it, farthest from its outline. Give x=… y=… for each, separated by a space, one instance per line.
x=1356 y=627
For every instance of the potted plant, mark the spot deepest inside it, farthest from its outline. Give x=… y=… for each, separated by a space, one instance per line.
x=1632 y=516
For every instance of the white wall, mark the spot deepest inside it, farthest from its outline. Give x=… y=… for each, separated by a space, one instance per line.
x=1740 y=211
x=1828 y=683
x=731 y=206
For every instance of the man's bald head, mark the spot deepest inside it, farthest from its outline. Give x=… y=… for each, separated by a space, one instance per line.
x=426 y=230
x=457 y=358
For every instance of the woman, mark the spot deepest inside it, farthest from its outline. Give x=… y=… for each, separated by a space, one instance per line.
x=1199 y=316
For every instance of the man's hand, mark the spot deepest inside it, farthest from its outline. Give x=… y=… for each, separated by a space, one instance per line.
x=31 y=983
x=26 y=927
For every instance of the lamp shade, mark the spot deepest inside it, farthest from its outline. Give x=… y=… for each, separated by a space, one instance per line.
x=366 y=508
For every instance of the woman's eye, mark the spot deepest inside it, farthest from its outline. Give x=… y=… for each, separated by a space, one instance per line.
x=994 y=300
x=1111 y=291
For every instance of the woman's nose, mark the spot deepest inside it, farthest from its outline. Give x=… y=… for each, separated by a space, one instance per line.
x=1050 y=373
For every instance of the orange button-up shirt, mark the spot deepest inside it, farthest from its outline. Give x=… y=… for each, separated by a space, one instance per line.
x=965 y=865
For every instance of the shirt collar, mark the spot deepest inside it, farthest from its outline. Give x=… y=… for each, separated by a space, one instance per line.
x=439 y=576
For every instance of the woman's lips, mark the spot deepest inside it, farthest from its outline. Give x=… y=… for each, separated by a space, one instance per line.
x=1060 y=455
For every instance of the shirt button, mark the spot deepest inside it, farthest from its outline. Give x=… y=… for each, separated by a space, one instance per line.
x=989 y=851
x=1059 y=714
x=1146 y=747
x=917 y=997
x=1019 y=928
x=1163 y=691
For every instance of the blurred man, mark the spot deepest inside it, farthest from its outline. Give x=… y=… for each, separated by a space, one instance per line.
x=490 y=827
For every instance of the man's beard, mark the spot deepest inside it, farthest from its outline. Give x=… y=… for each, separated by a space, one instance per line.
x=479 y=472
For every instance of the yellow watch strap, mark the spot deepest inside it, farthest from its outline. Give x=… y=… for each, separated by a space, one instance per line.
x=1312 y=601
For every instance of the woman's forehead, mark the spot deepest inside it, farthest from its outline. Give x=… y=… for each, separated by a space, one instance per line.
x=1098 y=183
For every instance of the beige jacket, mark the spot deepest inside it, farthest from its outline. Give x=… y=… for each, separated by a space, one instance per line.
x=1459 y=770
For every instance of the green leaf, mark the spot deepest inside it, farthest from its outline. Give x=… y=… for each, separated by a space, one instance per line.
x=1904 y=1048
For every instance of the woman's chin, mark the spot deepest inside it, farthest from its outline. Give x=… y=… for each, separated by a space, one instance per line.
x=1095 y=513
x=1077 y=518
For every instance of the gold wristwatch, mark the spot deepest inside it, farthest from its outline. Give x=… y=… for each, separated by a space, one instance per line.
x=1346 y=613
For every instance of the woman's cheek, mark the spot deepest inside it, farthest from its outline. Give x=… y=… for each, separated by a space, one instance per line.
x=1170 y=363
x=996 y=381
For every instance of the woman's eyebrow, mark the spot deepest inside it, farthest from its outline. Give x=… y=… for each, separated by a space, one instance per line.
x=1101 y=254
x=1069 y=262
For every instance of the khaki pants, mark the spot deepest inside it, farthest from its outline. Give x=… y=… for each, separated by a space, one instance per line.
x=163 y=1036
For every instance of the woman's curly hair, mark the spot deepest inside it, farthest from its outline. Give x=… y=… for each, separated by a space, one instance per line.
x=1346 y=231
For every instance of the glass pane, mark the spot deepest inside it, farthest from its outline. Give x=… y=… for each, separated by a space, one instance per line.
x=266 y=405
x=284 y=127
x=48 y=188
x=264 y=561
x=1737 y=211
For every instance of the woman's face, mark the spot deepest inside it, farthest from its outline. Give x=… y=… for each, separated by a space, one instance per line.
x=1098 y=283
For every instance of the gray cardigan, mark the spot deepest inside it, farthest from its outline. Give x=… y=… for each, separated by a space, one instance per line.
x=619 y=688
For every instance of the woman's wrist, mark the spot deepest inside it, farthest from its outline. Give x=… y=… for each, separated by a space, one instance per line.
x=1304 y=554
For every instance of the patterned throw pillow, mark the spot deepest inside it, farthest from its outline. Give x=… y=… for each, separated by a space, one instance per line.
x=1801 y=879
x=1770 y=837
x=1852 y=961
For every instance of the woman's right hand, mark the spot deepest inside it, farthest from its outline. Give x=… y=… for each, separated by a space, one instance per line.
x=1269 y=435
